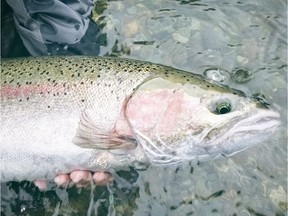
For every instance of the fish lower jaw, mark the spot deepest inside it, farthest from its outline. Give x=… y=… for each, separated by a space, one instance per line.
x=255 y=132
x=257 y=123
x=253 y=126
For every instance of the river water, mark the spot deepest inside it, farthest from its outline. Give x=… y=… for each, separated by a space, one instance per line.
x=242 y=42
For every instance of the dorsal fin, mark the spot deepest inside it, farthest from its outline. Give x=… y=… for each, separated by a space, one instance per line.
x=88 y=135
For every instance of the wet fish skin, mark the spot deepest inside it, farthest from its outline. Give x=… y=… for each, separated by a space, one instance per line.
x=65 y=113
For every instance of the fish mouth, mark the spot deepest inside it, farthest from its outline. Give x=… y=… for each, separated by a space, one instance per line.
x=262 y=123
x=258 y=122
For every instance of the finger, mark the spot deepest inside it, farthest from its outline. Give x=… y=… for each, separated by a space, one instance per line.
x=80 y=175
x=102 y=178
x=62 y=180
x=41 y=184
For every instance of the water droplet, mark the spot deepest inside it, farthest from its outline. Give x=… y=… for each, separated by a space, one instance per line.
x=216 y=74
x=240 y=75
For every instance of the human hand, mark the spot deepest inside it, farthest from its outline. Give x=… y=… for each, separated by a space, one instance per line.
x=80 y=178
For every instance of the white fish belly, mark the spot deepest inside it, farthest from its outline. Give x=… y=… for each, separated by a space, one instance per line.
x=40 y=146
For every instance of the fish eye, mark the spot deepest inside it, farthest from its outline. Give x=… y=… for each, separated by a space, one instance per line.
x=223 y=108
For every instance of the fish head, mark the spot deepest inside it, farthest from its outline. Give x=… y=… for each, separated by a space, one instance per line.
x=191 y=119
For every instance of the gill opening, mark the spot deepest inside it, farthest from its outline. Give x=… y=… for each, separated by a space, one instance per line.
x=156 y=155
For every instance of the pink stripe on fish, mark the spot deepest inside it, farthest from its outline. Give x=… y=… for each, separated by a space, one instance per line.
x=8 y=91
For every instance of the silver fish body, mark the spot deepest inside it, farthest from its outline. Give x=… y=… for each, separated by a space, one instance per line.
x=60 y=114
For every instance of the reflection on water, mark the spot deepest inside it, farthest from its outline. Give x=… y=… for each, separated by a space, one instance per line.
x=247 y=40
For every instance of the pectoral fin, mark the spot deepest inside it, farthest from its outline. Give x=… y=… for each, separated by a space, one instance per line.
x=88 y=135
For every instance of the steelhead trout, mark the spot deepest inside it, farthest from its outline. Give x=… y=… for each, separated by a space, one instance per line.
x=60 y=114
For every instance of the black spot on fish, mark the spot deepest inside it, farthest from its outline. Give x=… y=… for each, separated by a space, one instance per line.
x=164 y=189
x=82 y=100
x=177 y=169
x=191 y=170
x=98 y=75
x=27 y=98
x=48 y=106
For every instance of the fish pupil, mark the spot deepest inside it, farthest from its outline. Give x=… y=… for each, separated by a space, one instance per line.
x=223 y=108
